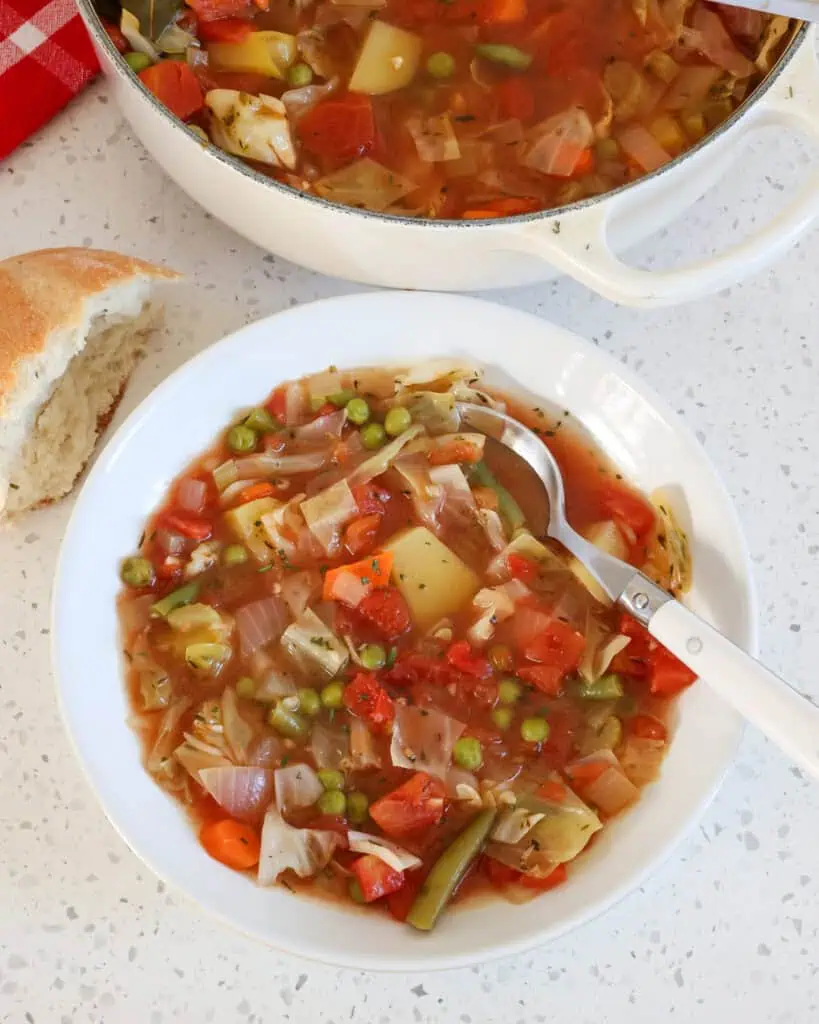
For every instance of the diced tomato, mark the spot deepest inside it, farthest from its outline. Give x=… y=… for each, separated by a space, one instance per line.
x=500 y=875
x=276 y=405
x=415 y=805
x=457 y=450
x=368 y=699
x=219 y=10
x=359 y=537
x=225 y=30
x=547 y=678
x=559 y=645
x=552 y=790
x=587 y=772
x=521 y=568
x=175 y=85
x=667 y=675
x=387 y=610
x=646 y=727
x=516 y=99
x=188 y=525
x=339 y=129
x=628 y=509
x=371 y=499
x=557 y=877
x=376 y=878
x=461 y=656
x=504 y=12
x=116 y=36
x=411 y=669
x=400 y=901
x=334 y=823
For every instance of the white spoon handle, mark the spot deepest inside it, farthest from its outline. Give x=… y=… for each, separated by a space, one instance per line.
x=785 y=716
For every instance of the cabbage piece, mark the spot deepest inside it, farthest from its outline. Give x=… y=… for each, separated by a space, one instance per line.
x=364 y=184
x=493 y=528
x=427 y=500
x=434 y=138
x=434 y=410
x=237 y=732
x=612 y=791
x=327 y=512
x=524 y=544
x=276 y=682
x=383 y=458
x=560 y=835
x=303 y=850
x=362 y=748
x=195 y=761
x=166 y=736
x=330 y=747
x=494 y=605
x=259 y=623
x=270 y=464
x=247 y=523
x=423 y=738
x=558 y=143
x=299 y=589
x=208 y=731
x=514 y=824
x=296 y=786
x=457 y=492
x=437 y=373
x=640 y=759
x=253 y=127
x=281 y=529
x=313 y=646
x=601 y=649
x=440 y=445
x=390 y=853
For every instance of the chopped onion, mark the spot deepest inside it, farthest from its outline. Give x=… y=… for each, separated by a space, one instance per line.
x=294 y=403
x=640 y=759
x=362 y=749
x=296 y=786
x=166 y=736
x=265 y=751
x=329 y=747
x=297 y=102
x=328 y=512
x=191 y=494
x=243 y=792
x=259 y=623
x=169 y=542
x=423 y=738
x=298 y=590
x=459 y=777
x=513 y=824
x=323 y=427
x=195 y=761
x=559 y=142
x=237 y=732
x=390 y=853
x=303 y=850
x=638 y=143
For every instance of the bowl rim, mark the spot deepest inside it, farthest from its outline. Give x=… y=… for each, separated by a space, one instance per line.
x=97 y=29
x=61 y=592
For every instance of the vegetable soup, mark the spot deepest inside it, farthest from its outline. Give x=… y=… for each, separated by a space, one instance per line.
x=355 y=664
x=453 y=109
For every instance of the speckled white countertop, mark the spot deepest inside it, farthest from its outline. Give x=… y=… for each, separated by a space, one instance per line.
x=725 y=932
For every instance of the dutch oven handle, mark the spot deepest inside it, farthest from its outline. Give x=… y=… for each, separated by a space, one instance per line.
x=582 y=251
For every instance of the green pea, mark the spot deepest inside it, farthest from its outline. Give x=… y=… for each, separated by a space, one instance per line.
x=373 y=656
x=241 y=438
x=332 y=696
x=467 y=753
x=309 y=702
x=534 y=730
x=509 y=691
x=300 y=74
x=332 y=801
x=441 y=64
x=261 y=420
x=137 y=572
x=397 y=421
x=357 y=807
x=234 y=554
x=502 y=717
x=358 y=411
x=340 y=398
x=372 y=436
x=246 y=688
x=137 y=61
x=355 y=891
x=288 y=723
x=331 y=779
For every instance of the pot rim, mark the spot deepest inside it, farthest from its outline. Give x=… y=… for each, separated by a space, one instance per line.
x=96 y=28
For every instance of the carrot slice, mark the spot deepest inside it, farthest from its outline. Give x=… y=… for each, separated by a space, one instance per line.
x=255 y=491
x=175 y=84
x=504 y=12
x=232 y=843
x=552 y=791
x=374 y=573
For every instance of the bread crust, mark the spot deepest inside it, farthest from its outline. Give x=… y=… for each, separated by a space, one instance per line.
x=44 y=291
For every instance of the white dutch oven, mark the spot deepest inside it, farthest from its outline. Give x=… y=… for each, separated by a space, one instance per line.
x=581 y=240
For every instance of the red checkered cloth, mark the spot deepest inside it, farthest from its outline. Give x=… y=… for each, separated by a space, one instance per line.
x=46 y=58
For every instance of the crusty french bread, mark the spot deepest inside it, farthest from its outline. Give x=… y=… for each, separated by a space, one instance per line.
x=72 y=325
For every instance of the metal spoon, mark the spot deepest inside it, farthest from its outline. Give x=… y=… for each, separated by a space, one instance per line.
x=787 y=717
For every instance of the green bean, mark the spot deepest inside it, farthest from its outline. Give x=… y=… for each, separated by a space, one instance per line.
x=331 y=779
x=503 y=53
x=449 y=870
x=137 y=572
x=137 y=61
x=509 y=510
x=288 y=723
x=241 y=438
x=357 y=807
x=260 y=419
x=358 y=411
x=332 y=801
x=246 y=687
x=607 y=687
x=332 y=696
x=234 y=554
x=467 y=753
x=397 y=421
x=176 y=598
x=373 y=656
x=309 y=702
x=373 y=436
